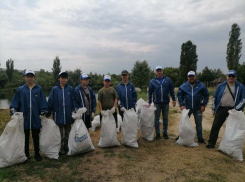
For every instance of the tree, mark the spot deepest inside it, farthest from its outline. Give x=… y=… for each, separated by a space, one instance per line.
x=3 y=79
x=141 y=73
x=241 y=73
x=234 y=48
x=56 y=68
x=173 y=74
x=10 y=69
x=188 y=59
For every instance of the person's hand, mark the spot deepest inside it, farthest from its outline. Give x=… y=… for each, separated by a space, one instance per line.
x=48 y=114
x=149 y=104
x=174 y=103
x=92 y=114
x=202 y=108
x=123 y=109
x=132 y=109
x=113 y=109
x=182 y=108
x=12 y=111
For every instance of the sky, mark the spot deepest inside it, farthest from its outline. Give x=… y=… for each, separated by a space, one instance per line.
x=108 y=36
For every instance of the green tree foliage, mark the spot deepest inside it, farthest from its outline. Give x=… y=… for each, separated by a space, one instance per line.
x=3 y=79
x=56 y=68
x=241 y=73
x=74 y=77
x=173 y=74
x=10 y=69
x=234 y=48
x=141 y=74
x=188 y=59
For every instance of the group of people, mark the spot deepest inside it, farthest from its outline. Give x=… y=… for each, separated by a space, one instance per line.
x=64 y=100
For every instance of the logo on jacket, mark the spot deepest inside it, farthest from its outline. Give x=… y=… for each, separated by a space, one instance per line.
x=35 y=95
x=68 y=92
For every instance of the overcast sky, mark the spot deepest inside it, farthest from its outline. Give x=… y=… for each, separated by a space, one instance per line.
x=110 y=35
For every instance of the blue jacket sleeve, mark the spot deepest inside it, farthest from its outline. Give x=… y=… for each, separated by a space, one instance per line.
x=172 y=90
x=43 y=103
x=15 y=103
x=205 y=96
x=150 y=92
x=215 y=96
x=51 y=101
x=73 y=100
x=180 y=95
x=134 y=94
x=240 y=106
x=119 y=103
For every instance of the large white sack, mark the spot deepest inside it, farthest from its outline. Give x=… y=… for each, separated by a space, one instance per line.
x=108 y=132
x=79 y=138
x=12 y=142
x=233 y=139
x=186 y=131
x=119 y=122
x=130 y=129
x=50 y=139
x=146 y=122
x=140 y=103
x=95 y=123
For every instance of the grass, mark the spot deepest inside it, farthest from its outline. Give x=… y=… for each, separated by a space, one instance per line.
x=161 y=160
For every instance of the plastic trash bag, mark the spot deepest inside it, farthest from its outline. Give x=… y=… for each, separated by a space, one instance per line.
x=12 y=142
x=50 y=139
x=79 y=138
x=108 y=132
x=146 y=121
x=233 y=139
x=129 y=129
x=186 y=131
x=140 y=103
x=95 y=123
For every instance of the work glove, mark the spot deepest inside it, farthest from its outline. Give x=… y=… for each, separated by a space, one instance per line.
x=113 y=109
x=132 y=109
x=93 y=114
x=123 y=109
x=43 y=113
x=48 y=114
x=12 y=111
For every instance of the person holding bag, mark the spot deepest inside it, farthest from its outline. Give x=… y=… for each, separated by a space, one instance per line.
x=228 y=95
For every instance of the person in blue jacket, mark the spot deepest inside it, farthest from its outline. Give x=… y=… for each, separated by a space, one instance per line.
x=85 y=97
x=127 y=96
x=194 y=95
x=228 y=95
x=160 y=88
x=62 y=103
x=30 y=99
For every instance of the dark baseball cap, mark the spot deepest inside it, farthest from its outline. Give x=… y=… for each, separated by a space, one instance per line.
x=124 y=72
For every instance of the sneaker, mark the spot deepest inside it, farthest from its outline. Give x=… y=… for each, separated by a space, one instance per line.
x=201 y=141
x=38 y=157
x=158 y=137
x=209 y=146
x=177 y=138
x=165 y=135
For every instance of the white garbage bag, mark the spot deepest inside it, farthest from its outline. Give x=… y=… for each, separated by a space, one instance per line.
x=50 y=139
x=186 y=131
x=119 y=122
x=108 y=132
x=79 y=138
x=233 y=139
x=95 y=123
x=12 y=142
x=130 y=129
x=146 y=122
x=140 y=103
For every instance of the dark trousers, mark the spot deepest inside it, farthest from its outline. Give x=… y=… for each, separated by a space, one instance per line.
x=88 y=121
x=64 y=133
x=219 y=119
x=115 y=117
x=120 y=112
x=35 y=137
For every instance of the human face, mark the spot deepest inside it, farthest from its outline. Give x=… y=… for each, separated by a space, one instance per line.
x=63 y=80
x=231 y=79
x=29 y=78
x=85 y=82
x=107 y=83
x=159 y=73
x=192 y=79
x=125 y=78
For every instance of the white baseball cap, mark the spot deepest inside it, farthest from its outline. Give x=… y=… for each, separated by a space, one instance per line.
x=159 y=67
x=29 y=72
x=84 y=76
x=107 y=77
x=191 y=73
